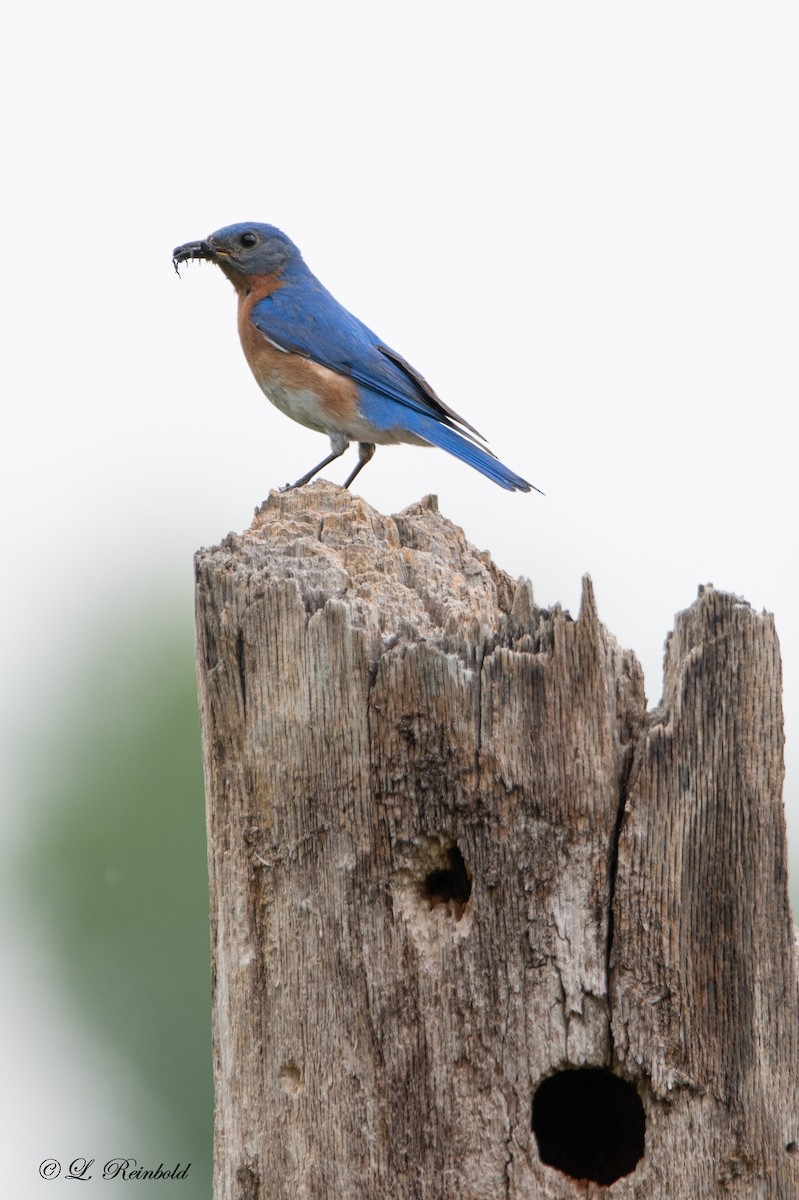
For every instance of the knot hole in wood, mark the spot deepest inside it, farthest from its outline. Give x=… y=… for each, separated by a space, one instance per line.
x=448 y=882
x=589 y=1124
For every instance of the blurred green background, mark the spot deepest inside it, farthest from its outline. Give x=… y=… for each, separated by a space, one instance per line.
x=111 y=881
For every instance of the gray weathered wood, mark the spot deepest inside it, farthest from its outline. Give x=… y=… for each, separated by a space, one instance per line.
x=379 y=699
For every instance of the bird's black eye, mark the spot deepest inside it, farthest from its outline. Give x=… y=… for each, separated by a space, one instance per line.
x=248 y=240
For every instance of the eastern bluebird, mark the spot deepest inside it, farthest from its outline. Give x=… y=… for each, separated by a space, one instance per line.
x=319 y=365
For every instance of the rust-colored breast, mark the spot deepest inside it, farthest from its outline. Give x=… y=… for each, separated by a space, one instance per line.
x=297 y=385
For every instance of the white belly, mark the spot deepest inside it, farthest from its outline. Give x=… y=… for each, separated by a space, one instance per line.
x=304 y=406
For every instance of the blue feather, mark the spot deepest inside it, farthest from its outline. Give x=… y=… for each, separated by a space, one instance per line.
x=383 y=414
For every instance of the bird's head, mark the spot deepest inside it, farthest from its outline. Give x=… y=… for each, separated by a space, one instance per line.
x=242 y=250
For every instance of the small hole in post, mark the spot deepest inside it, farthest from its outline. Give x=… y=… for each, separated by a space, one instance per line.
x=589 y=1124
x=449 y=883
x=290 y=1077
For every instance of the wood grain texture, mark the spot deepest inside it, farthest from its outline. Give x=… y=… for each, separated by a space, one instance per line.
x=703 y=964
x=451 y=855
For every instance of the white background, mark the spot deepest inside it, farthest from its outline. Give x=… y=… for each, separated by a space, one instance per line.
x=578 y=220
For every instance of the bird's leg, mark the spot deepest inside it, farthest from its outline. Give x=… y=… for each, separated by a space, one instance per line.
x=338 y=445
x=365 y=452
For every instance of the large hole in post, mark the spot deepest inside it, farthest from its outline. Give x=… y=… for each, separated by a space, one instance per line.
x=589 y=1124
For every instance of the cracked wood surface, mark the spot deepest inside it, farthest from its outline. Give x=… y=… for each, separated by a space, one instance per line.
x=377 y=699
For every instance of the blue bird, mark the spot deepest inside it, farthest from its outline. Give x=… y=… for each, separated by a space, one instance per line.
x=322 y=367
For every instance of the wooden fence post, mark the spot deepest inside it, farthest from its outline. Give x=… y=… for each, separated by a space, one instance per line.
x=482 y=927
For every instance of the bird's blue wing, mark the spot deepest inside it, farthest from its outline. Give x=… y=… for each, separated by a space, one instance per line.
x=308 y=320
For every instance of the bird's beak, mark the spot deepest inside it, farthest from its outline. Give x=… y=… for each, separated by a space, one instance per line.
x=192 y=250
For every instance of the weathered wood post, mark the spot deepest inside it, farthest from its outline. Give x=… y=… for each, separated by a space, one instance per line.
x=483 y=928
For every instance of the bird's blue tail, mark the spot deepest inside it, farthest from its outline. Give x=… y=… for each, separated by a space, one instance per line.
x=445 y=438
